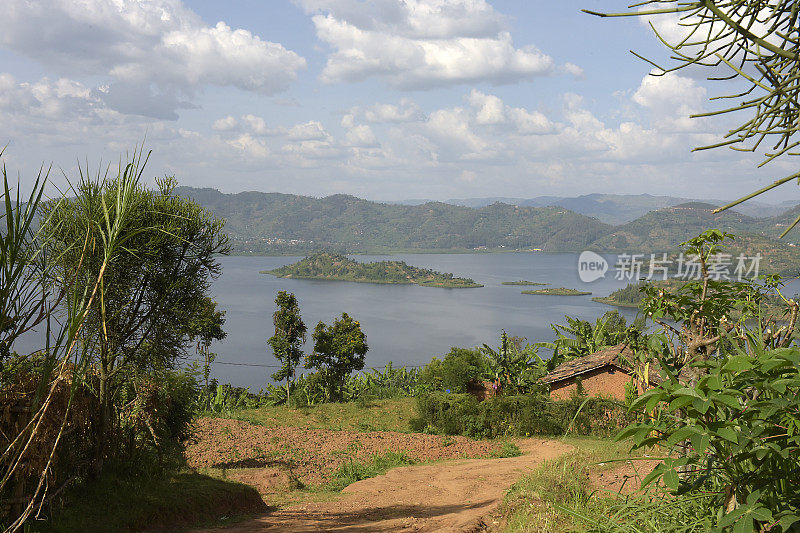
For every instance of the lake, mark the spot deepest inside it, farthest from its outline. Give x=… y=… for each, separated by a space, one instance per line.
x=405 y=324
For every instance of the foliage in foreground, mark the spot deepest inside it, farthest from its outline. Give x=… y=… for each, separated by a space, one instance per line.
x=738 y=436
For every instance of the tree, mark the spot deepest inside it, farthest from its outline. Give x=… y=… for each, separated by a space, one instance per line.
x=147 y=257
x=204 y=328
x=759 y=45
x=339 y=349
x=290 y=334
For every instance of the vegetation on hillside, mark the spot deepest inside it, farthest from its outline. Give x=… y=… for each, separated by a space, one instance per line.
x=261 y=223
x=558 y=291
x=330 y=266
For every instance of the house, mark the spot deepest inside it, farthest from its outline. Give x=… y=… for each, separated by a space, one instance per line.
x=603 y=373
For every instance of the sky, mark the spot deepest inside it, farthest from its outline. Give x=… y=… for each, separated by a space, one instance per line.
x=382 y=99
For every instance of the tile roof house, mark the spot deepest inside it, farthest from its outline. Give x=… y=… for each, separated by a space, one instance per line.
x=603 y=373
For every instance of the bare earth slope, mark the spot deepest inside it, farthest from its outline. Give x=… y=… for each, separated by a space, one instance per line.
x=449 y=496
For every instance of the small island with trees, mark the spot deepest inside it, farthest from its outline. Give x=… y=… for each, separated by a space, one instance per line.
x=558 y=291
x=522 y=282
x=331 y=266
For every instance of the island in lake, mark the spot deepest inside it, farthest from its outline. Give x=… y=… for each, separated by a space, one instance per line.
x=330 y=266
x=522 y=282
x=559 y=291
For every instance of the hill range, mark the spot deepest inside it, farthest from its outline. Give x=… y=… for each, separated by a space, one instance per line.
x=277 y=224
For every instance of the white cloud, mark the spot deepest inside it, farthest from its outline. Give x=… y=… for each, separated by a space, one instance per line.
x=250 y=146
x=671 y=99
x=308 y=131
x=256 y=125
x=51 y=108
x=142 y=43
x=492 y=111
x=405 y=111
x=361 y=136
x=421 y=43
x=225 y=124
x=572 y=68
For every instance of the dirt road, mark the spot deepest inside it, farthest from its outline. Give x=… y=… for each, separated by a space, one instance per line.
x=448 y=496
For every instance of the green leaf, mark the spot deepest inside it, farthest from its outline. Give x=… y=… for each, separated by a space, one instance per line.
x=787 y=521
x=728 y=434
x=727 y=399
x=671 y=479
x=733 y=516
x=701 y=406
x=744 y=525
x=680 y=435
x=700 y=442
x=679 y=403
x=738 y=363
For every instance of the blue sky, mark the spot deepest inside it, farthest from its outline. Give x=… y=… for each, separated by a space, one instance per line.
x=388 y=99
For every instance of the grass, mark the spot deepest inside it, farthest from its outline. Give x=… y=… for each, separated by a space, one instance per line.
x=178 y=502
x=508 y=449
x=378 y=415
x=352 y=470
x=559 y=291
x=531 y=504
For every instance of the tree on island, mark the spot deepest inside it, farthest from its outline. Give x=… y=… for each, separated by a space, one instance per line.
x=339 y=350
x=290 y=334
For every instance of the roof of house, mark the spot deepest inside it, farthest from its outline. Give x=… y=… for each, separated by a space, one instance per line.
x=610 y=356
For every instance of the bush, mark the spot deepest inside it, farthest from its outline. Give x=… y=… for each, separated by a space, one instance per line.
x=463 y=414
x=155 y=422
x=735 y=434
x=455 y=372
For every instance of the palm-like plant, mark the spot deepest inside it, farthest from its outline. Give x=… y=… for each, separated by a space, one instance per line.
x=511 y=365
x=578 y=337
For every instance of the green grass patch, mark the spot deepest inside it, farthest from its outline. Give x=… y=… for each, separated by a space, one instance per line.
x=377 y=415
x=532 y=504
x=176 y=502
x=508 y=449
x=351 y=471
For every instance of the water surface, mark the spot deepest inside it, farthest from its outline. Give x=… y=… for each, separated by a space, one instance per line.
x=406 y=324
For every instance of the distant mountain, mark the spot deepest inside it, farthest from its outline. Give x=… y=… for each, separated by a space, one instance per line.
x=614 y=208
x=664 y=229
x=272 y=223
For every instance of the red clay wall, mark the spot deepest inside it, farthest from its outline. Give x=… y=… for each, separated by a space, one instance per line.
x=607 y=381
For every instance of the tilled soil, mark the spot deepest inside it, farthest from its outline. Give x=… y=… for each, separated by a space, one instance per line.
x=310 y=456
x=449 y=496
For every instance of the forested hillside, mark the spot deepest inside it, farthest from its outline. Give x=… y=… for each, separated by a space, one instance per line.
x=272 y=223
x=285 y=223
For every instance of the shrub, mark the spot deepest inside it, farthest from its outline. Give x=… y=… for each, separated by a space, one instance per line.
x=459 y=368
x=463 y=414
x=736 y=434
